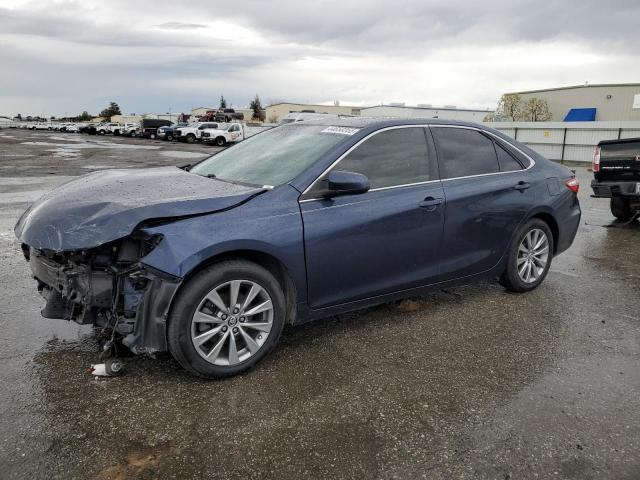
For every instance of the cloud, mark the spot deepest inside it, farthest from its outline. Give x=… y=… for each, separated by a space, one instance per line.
x=150 y=56
x=179 y=26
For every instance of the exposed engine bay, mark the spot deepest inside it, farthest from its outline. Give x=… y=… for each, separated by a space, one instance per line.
x=108 y=287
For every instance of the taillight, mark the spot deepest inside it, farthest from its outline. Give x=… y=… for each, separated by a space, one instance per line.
x=572 y=184
x=596 y=160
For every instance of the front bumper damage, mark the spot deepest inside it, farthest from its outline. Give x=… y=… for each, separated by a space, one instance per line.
x=107 y=287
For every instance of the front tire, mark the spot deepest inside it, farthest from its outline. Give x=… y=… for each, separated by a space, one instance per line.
x=226 y=319
x=169 y=137
x=220 y=142
x=191 y=138
x=621 y=209
x=529 y=257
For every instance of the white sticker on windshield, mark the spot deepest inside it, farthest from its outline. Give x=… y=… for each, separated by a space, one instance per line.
x=340 y=130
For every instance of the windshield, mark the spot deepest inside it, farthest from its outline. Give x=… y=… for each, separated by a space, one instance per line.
x=275 y=156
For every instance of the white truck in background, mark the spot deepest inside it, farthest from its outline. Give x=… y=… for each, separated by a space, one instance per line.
x=193 y=132
x=224 y=134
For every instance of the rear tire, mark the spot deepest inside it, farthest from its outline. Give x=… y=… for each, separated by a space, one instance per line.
x=228 y=351
x=524 y=250
x=621 y=209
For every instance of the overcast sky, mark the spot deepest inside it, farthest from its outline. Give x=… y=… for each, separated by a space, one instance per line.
x=153 y=56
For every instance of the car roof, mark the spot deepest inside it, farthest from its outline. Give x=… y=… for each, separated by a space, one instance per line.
x=378 y=122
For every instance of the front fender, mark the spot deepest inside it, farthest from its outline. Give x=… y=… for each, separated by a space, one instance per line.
x=271 y=225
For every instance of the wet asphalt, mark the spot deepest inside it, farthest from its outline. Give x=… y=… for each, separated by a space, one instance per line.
x=472 y=382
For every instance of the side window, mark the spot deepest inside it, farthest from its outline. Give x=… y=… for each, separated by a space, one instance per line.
x=463 y=152
x=505 y=160
x=394 y=157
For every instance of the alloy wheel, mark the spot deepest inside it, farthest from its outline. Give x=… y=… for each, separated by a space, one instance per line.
x=533 y=254
x=232 y=322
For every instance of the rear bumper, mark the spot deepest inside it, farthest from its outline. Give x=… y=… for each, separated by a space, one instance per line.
x=614 y=189
x=568 y=227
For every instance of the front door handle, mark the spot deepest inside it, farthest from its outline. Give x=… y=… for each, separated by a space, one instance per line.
x=430 y=203
x=522 y=185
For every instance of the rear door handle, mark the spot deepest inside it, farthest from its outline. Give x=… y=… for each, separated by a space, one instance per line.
x=430 y=203
x=522 y=185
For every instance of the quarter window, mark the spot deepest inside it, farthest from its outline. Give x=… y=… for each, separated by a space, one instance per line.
x=393 y=157
x=463 y=152
x=506 y=161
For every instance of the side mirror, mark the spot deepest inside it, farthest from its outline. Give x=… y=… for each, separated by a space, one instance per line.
x=340 y=182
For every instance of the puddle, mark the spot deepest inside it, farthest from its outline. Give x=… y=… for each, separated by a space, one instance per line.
x=180 y=154
x=65 y=152
x=96 y=144
x=21 y=197
x=103 y=167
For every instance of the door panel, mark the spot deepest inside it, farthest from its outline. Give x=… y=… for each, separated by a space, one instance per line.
x=487 y=198
x=481 y=216
x=359 y=246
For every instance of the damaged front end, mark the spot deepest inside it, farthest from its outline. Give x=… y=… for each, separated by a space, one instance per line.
x=108 y=286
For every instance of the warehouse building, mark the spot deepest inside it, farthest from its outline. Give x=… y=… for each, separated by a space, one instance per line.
x=603 y=102
x=449 y=112
x=278 y=111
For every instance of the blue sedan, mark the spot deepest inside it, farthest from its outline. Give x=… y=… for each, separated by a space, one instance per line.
x=297 y=223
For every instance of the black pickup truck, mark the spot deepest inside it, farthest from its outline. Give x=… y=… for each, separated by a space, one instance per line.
x=616 y=168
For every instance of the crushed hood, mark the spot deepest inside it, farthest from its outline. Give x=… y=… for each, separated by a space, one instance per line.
x=104 y=206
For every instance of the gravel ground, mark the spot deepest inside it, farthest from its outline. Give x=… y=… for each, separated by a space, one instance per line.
x=472 y=382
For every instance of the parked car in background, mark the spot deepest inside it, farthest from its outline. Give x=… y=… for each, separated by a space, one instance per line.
x=129 y=129
x=148 y=127
x=96 y=128
x=106 y=128
x=167 y=133
x=122 y=128
x=71 y=128
x=228 y=114
x=300 y=222
x=41 y=126
x=193 y=132
x=224 y=134
x=616 y=171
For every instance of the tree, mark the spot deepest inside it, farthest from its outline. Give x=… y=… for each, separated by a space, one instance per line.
x=510 y=106
x=223 y=102
x=111 y=110
x=258 y=111
x=489 y=117
x=18 y=116
x=85 y=116
x=536 y=110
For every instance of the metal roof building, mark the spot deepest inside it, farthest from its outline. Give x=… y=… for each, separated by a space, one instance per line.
x=424 y=111
x=599 y=102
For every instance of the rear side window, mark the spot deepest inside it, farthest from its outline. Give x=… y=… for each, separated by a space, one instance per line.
x=394 y=157
x=620 y=151
x=463 y=152
x=506 y=161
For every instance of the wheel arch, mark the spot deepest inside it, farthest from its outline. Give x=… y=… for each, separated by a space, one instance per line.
x=265 y=260
x=550 y=220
